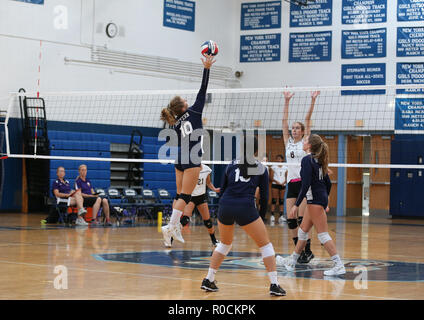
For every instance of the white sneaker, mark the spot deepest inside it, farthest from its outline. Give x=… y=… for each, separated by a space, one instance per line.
x=288 y=262
x=176 y=232
x=272 y=220
x=81 y=222
x=166 y=236
x=282 y=220
x=82 y=212
x=337 y=270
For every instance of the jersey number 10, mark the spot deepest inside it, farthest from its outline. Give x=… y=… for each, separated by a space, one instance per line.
x=186 y=128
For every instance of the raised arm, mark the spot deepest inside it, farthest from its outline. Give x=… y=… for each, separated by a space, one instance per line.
x=308 y=122
x=201 y=96
x=286 y=132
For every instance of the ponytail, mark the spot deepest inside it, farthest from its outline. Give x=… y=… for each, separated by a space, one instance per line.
x=244 y=165
x=172 y=111
x=320 y=152
x=167 y=116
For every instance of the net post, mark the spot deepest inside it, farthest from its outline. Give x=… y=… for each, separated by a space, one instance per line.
x=341 y=176
x=6 y=123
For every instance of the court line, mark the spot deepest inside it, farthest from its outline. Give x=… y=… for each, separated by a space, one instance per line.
x=193 y=280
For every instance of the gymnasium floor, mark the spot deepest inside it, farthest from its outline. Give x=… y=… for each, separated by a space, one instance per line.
x=130 y=262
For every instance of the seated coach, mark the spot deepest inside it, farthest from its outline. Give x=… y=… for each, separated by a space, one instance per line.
x=91 y=199
x=61 y=189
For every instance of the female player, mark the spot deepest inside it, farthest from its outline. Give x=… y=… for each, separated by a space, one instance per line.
x=316 y=186
x=237 y=204
x=278 y=187
x=294 y=155
x=184 y=121
x=199 y=201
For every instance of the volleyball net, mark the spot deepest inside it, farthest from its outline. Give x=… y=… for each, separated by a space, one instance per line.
x=358 y=123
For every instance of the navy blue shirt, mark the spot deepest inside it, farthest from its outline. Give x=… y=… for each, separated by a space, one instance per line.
x=62 y=186
x=238 y=191
x=192 y=120
x=315 y=186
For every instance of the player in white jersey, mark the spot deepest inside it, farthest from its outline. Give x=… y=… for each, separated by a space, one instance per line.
x=294 y=153
x=278 y=188
x=200 y=201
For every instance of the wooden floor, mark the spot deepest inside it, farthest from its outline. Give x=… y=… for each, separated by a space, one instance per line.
x=131 y=263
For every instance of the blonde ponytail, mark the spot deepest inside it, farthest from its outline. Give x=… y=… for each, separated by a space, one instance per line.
x=172 y=111
x=320 y=151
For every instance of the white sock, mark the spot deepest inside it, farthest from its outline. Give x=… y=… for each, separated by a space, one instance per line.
x=211 y=275
x=273 y=277
x=175 y=217
x=295 y=256
x=336 y=259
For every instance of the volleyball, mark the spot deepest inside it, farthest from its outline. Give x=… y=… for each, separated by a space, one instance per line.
x=210 y=47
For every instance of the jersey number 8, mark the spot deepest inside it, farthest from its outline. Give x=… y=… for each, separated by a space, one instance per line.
x=186 y=128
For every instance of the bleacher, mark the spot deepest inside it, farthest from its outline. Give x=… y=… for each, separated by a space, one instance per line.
x=157 y=175
x=84 y=144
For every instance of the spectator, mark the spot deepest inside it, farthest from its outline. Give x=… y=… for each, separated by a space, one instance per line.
x=61 y=189
x=91 y=199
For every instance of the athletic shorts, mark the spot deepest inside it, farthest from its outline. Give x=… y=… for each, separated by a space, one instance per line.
x=182 y=167
x=242 y=215
x=293 y=189
x=278 y=186
x=198 y=200
x=324 y=204
x=89 y=202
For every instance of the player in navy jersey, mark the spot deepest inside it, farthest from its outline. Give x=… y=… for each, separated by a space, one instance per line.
x=185 y=121
x=316 y=186
x=237 y=205
x=293 y=142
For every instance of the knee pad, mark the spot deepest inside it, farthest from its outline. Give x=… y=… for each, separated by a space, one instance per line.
x=177 y=196
x=267 y=251
x=274 y=201
x=184 y=220
x=299 y=220
x=292 y=223
x=208 y=223
x=324 y=237
x=302 y=235
x=185 y=197
x=281 y=202
x=223 y=248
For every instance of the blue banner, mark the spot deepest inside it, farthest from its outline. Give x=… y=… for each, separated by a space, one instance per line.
x=318 y=13
x=372 y=74
x=179 y=14
x=410 y=10
x=364 y=11
x=410 y=73
x=310 y=46
x=409 y=114
x=260 y=48
x=260 y=15
x=32 y=1
x=358 y=44
x=410 y=41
